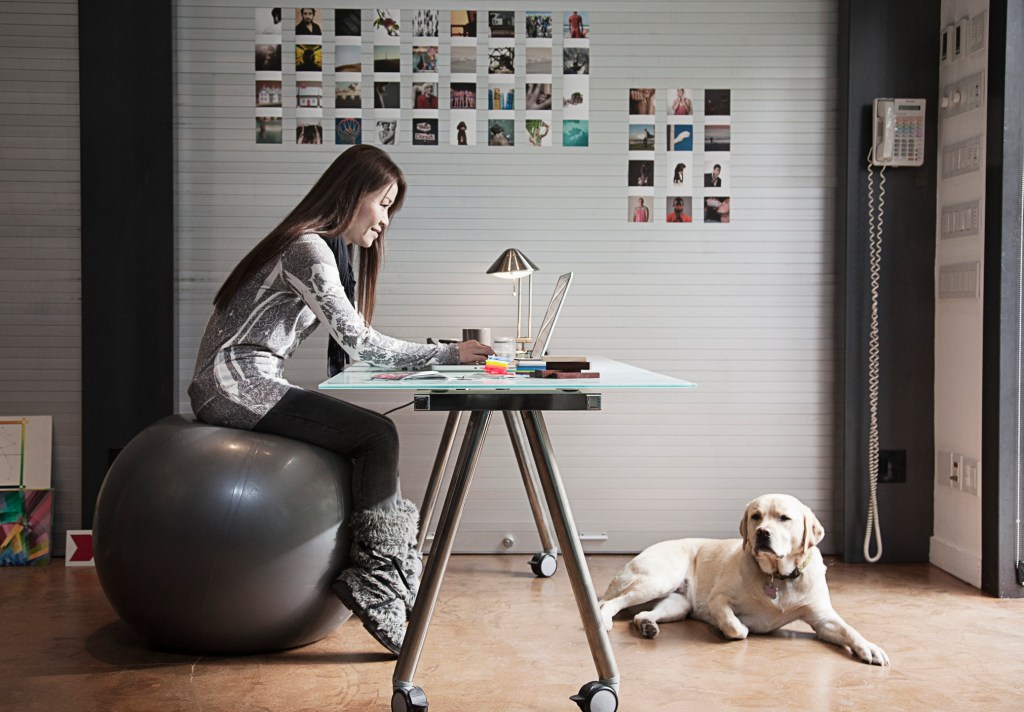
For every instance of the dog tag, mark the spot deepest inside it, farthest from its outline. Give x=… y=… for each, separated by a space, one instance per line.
x=771 y=590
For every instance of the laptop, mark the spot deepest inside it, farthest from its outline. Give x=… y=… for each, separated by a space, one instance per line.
x=547 y=328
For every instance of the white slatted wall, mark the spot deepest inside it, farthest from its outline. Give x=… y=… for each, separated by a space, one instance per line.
x=744 y=309
x=40 y=234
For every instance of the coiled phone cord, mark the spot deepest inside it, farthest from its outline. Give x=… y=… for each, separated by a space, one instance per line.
x=875 y=264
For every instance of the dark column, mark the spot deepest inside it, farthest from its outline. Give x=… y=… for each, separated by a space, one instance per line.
x=127 y=114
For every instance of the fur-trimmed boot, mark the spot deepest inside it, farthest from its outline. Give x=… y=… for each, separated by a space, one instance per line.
x=377 y=587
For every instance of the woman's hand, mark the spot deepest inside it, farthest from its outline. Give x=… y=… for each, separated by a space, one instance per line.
x=473 y=351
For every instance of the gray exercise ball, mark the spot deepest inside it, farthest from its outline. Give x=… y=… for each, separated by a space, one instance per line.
x=222 y=541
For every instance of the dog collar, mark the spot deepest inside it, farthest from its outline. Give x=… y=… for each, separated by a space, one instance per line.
x=772 y=591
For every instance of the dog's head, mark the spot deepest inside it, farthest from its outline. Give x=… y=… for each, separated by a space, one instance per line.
x=778 y=530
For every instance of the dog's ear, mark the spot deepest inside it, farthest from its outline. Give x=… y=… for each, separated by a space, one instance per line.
x=813 y=531
x=743 y=525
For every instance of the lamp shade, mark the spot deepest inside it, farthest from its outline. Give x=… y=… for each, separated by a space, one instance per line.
x=512 y=264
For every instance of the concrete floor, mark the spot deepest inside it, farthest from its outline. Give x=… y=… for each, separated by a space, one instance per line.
x=504 y=640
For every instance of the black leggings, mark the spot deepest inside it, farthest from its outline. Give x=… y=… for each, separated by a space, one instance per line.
x=365 y=436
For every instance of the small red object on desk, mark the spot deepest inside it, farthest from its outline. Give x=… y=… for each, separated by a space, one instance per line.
x=565 y=374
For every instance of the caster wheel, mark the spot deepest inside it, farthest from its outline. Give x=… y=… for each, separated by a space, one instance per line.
x=412 y=699
x=544 y=565
x=596 y=697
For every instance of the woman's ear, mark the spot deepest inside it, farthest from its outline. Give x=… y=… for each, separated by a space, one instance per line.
x=813 y=531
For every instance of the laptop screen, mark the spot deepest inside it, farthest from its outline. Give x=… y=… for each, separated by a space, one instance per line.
x=547 y=327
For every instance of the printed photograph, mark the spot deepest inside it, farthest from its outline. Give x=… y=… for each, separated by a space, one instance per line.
x=348 y=58
x=386 y=29
x=641 y=174
x=538 y=60
x=577 y=25
x=576 y=133
x=680 y=103
x=502 y=24
x=308 y=22
x=640 y=208
x=716 y=210
x=463 y=128
x=717 y=137
x=268 y=58
x=348 y=23
x=268 y=93
x=501 y=98
x=538 y=25
x=501 y=60
x=575 y=97
x=680 y=137
x=463 y=59
x=538 y=97
x=309 y=58
x=387 y=132
x=500 y=132
x=424 y=23
x=641 y=137
x=641 y=101
x=269 y=129
x=348 y=132
x=268 y=21
x=387 y=58
x=680 y=174
x=576 y=60
x=309 y=95
x=679 y=209
x=386 y=95
x=308 y=131
x=424 y=58
x=463 y=95
x=717 y=102
x=424 y=95
x=539 y=132
x=348 y=95
x=463 y=23
x=424 y=132
x=716 y=172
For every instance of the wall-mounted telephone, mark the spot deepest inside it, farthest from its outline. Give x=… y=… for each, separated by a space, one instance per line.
x=897 y=136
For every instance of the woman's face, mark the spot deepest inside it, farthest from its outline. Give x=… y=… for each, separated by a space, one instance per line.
x=371 y=217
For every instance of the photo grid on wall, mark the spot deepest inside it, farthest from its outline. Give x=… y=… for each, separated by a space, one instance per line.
x=387 y=74
x=679 y=133
x=348 y=77
x=538 y=94
x=717 y=149
x=462 y=118
x=576 y=79
x=309 y=76
x=426 y=50
x=269 y=108
x=501 y=78
x=640 y=170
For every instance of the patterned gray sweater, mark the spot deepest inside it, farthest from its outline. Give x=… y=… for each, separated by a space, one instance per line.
x=239 y=370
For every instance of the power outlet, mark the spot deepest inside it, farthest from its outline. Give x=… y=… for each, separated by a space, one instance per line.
x=892 y=465
x=956 y=468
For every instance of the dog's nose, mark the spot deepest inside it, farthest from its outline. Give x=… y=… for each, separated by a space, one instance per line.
x=764 y=534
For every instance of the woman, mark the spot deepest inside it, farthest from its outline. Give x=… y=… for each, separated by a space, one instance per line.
x=295 y=279
x=640 y=212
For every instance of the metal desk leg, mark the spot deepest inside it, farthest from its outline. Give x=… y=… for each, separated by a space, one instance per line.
x=545 y=562
x=444 y=450
x=448 y=524
x=572 y=550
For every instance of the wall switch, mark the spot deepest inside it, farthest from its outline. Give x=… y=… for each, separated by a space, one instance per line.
x=956 y=468
x=970 y=476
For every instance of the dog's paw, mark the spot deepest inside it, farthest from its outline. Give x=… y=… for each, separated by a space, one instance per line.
x=606 y=619
x=871 y=654
x=735 y=631
x=647 y=627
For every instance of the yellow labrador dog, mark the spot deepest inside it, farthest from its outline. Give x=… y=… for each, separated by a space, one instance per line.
x=774 y=575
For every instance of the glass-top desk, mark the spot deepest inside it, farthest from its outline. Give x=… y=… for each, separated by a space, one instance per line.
x=481 y=395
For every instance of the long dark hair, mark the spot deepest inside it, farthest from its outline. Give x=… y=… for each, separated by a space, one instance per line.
x=327 y=210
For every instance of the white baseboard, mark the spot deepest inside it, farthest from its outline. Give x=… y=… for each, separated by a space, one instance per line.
x=959 y=563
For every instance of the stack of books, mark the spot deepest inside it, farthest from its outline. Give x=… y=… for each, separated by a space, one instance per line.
x=560 y=367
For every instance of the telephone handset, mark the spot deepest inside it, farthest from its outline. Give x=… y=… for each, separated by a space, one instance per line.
x=897 y=136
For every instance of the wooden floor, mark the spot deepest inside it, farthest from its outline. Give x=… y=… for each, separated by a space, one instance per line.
x=504 y=640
